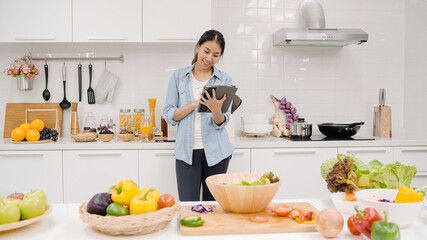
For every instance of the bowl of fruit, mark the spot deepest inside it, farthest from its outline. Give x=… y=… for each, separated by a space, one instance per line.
x=128 y=210
x=34 y=132
x=106 y=135
x=243 y=192
x=126 y=135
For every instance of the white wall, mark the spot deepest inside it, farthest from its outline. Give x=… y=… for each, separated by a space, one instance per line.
x=325 y=84
x=415 y=66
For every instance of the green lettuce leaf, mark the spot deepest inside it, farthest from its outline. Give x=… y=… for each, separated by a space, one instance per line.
x=327 y=166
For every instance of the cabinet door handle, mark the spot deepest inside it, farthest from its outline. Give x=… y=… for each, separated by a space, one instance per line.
x=176 y=39
x=21 y=154
x=366 y=151
x=415 y=150
x=421 y=174
x=35 y=39
x=107 y=38
x=295 y=151
x=99 y=154
x=163 y=154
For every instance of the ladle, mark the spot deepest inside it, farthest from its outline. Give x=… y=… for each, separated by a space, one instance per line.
x=65 y=103
x=46 y=93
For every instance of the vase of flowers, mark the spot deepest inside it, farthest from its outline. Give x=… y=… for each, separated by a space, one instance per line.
x=24 y=71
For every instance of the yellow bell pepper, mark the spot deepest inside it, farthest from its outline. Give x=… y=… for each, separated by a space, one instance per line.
x=153 y=194
x=124 y=191
x=142 y=203
x=408 y=195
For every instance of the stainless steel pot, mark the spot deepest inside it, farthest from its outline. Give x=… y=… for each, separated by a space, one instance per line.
x=301 y=129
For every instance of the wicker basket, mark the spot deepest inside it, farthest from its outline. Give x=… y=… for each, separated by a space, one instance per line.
x=84 y=137
x=131 y=224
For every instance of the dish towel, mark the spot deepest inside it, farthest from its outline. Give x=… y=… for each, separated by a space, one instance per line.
x=104 y=89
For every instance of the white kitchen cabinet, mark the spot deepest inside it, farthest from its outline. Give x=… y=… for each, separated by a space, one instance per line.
x=35 y=21
x=107 y=21
x=298 y=168
x=23 y=171
x=87 y=172
x=240 y=161
x=157 y=169
x=415 y=156
x=366 y=154
x=175 y=21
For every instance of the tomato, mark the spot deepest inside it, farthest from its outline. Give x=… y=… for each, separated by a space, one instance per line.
x=259 y=219
x=282 y=210
x=165 y=200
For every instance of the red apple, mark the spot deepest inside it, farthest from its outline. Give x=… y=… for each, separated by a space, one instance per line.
x=16 y=195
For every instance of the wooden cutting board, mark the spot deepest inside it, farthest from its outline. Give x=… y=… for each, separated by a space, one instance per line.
x=18 y=113
x=220 y=222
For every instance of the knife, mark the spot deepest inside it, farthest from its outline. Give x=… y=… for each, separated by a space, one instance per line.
x=80 y=81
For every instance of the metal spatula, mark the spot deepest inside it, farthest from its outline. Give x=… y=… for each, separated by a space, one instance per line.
x=90 y=92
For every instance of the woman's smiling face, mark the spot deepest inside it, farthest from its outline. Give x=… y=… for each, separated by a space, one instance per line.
x=208 y=54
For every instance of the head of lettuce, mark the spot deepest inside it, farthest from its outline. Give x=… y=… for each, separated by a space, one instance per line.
x=348 y=173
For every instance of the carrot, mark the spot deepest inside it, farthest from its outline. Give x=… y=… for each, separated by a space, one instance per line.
x=349 y=196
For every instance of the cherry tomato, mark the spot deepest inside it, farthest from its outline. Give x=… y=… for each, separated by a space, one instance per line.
x=282 y=210
x=165 y=200
x=350 y=225
x=259 y=219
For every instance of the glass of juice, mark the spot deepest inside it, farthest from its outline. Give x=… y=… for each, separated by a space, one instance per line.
x=146 y=127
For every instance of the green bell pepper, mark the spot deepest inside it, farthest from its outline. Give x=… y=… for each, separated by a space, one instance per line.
x=192 y=221
x=384 y=230
x=115 y=209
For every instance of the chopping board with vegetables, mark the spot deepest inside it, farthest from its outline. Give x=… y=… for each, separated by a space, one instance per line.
x=219 y=222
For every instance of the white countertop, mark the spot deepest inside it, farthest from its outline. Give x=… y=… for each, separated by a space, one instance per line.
x=238 y=142
x=64 y=223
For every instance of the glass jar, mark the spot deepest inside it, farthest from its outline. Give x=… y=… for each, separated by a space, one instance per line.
x=125 y=119
x=138 y=118
x=90 y=121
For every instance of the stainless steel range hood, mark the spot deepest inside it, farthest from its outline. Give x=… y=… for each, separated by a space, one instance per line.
x=319 y=37
x=315 y=33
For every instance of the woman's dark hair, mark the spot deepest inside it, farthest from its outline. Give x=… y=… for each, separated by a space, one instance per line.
x=211 y=35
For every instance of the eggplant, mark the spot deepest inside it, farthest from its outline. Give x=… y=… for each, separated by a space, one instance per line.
x=98 y=204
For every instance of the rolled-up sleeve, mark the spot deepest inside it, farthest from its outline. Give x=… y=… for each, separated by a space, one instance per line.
x=228 y=82
x=171 y=102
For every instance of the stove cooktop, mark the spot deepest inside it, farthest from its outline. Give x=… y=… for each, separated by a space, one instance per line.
x=324 y=138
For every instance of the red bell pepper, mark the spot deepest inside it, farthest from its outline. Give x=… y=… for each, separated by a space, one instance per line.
x=365 y=219
x=352 y=225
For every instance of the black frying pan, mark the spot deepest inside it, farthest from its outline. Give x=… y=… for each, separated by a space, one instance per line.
x=339 y=130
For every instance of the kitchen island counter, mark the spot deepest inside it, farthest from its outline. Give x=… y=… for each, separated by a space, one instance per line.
x=64 y=223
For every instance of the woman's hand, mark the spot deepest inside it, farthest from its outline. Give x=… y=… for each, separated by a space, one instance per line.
x=211 y=102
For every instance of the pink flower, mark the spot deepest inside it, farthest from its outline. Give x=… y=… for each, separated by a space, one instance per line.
x=9 y=72
x=31 y=66
x=16 y=71
x=25 y=69
x=37 y=72
x=30 y=75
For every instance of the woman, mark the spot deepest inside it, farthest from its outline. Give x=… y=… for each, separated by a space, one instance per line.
x=202 y=146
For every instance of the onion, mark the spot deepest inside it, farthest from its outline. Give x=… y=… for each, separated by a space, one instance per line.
x=329 y=222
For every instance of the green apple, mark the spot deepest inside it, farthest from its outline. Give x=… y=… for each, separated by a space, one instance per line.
x=9 y=212
x=1 y=199
x=33 y=204
x=13 y=200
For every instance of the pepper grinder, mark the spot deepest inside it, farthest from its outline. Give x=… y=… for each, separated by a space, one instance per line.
x=74 y=119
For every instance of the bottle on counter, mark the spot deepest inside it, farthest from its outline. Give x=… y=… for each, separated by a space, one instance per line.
x=125 y=119
x=164 y=126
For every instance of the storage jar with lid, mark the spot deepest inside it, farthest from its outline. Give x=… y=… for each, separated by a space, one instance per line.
x=125 y=119
x=301 y=129
x=138 y=118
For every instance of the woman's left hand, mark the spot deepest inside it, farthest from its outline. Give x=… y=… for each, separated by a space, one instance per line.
x=211 y=102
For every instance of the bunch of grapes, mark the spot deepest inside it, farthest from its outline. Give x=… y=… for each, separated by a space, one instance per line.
x=48 y=133
x=290 y=112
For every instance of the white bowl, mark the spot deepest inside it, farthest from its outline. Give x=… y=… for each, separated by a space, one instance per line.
x=403 y=214
x=342 y=205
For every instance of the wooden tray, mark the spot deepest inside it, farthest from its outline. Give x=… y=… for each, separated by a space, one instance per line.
x=32 y=142
x=23 y=223
x=220 y=222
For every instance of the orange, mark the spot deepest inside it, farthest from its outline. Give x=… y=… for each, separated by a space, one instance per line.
x=37 y=124
x=32 y=135
x=18 y=134
x=25 y=126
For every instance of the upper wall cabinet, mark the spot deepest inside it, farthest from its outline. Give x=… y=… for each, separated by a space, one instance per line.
x=35 y=21
x=107 y=21
x=175 y=21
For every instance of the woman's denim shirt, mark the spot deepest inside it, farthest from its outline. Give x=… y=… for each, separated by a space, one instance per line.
x=215 y=139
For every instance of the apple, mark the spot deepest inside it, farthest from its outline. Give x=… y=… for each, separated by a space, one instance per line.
x=9 y=212
x=13 y=200
x=33 y=204
x=1 y=199
x=16 y=195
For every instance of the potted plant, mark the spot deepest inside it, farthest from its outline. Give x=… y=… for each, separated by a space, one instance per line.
x=25 y=71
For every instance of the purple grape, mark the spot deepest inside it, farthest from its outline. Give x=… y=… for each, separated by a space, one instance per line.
x=288 y=105
x=296 y=116
x=283 y=107
x=287 y=110
x=290 y=120
x=293 y=110
x=288 y=126
x=290 y=115
x=283 y=101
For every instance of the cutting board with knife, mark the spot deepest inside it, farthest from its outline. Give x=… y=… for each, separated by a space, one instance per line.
x=220 y=222
x=382 y=117
x=18 y=113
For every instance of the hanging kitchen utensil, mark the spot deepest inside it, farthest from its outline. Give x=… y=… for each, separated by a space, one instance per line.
x=65 y=103
x=80 y=81
x=382 y=117
x=90 y=92
x=339 y=130
x=46 y=93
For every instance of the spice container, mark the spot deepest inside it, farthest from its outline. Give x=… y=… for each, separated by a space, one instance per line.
x=138 y=118
x=86 y=129
x=125 y=119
